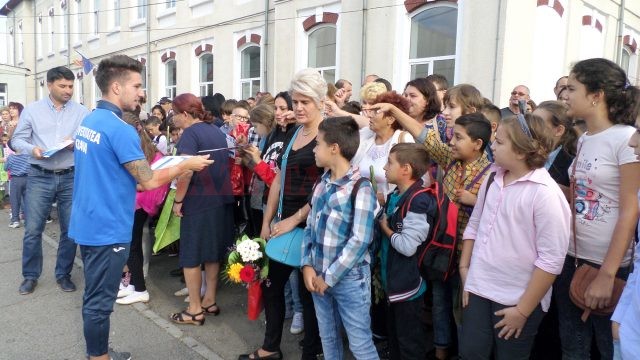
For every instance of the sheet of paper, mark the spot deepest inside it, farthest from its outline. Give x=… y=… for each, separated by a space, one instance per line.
x=168 y=161
x=61 y=145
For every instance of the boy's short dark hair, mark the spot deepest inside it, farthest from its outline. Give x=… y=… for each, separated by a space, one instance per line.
x=352 y=107
x=153 y=120
x=477 y=127
x=227 y=106
x=115 y=68
x=491 y=112
x=343 y=131
x=414 y=155
x=243 y=104
x=60 y=72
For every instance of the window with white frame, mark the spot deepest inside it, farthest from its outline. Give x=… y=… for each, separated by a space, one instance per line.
x=20 y=43
x=3 y=94
x=170 y=79
x=170 y=4
x=96 y=23
x=142 y=9
x=76 y=20
x=116 y=13
x=206 y=74
x=64 y=31
x=39 y=37
x=250 y=71
x=51 y=31
x=322 y=51
x=433 y=42
x=626 y=59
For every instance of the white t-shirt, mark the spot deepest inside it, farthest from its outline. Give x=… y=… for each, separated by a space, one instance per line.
x=597 y=190
x=371 y=154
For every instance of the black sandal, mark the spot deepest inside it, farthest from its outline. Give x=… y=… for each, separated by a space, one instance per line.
x=275 y=356
x=181 y=318
x=207 y=310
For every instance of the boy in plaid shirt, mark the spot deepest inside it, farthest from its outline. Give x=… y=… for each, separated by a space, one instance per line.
x=335 y=256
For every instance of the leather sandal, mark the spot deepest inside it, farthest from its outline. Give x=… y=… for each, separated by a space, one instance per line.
x=207 y=310
x=183 y=318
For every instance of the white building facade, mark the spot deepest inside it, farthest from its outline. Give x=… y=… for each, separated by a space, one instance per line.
x=239 y=47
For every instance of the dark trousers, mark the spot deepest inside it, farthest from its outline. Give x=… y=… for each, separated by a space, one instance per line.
x=102 y=270
x=274 y=309
x=406 y=331
x=135 y=261
x=480 y=339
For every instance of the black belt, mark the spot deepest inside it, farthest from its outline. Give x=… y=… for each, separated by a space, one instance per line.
x=54 y=172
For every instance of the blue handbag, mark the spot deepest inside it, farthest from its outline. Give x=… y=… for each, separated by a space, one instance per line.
x=286 y=248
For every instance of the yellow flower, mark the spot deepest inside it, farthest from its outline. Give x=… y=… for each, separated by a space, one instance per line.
x=234 y=272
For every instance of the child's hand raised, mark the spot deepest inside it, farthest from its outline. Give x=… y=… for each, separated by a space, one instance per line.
x=512 y=322
x=466 y=198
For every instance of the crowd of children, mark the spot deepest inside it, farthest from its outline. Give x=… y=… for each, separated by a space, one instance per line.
x=534 y=201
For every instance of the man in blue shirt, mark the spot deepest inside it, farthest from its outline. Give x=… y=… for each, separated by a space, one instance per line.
x=109 y=164
x=44 y=124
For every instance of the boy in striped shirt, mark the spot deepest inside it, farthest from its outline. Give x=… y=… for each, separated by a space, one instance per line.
x=18 y=166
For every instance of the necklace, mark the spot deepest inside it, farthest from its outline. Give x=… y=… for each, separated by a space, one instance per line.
x=307 y=134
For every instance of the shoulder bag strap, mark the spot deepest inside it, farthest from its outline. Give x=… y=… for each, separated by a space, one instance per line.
x=283 y=171
x=478 y=177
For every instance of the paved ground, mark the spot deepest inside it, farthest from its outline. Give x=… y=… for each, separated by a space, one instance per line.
x=48 y=325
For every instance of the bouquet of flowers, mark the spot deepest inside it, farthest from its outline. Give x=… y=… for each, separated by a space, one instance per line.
x=249 y=265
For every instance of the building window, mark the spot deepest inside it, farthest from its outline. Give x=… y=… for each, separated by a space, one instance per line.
x=322 y=52
x=96 y=17
x=433 y=42
x=39 y=37
x=77 y=20
x=116 y=13
x=3 y=94
x=142 y=9
x=170 y=79
x=64 y=31
x=250 y=71
x=206 y=74
x=170 y=3
x=625 y=60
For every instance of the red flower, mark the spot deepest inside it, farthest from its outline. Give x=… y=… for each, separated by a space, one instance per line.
x=247 y=274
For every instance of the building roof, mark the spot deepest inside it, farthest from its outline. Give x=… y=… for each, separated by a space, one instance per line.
x=9 y=6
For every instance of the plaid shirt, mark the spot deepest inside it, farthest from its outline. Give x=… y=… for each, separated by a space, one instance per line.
x=253 y=138
x=457 y=176
x=338 y=232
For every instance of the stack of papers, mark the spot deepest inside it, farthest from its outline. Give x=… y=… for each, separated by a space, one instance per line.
x=49 y=152
x=168 y=161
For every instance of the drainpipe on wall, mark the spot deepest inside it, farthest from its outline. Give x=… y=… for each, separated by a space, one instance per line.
x=147 y=65
x=266 y=46
x=35 y=53
x=620 y=42
x=495 y=63
x=364 y=42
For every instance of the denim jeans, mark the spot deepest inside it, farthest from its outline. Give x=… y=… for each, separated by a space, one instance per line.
x=291 y=293
x=348 y=303
x=42 y=191
x=102 y=270
x=18 y=187
x=575 y=335
x=443 y=320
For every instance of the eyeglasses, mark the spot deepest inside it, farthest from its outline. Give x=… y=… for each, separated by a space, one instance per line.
x=368 y=112
x=513 y=93
x=242 y=118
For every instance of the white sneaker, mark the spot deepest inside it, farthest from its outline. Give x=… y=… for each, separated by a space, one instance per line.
x=14 y=225
x=136 y=296
x=297 y=324
x=182 y=292
x=126 y=291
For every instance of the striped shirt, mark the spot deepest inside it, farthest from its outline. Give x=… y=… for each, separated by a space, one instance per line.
x=457 y=176
x=17 y=164
x=338 y=232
